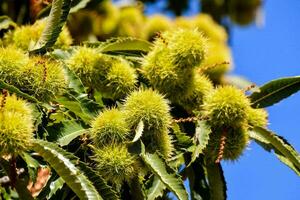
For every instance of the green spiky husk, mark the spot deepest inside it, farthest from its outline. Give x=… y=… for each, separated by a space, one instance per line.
x=90 y=65
x=164 y=76
x=226 y=106
x=218 y=61
x=210 y=28
x=187 y=48
x=202 y=86
x=121 y=79
x=16 y=125
x=109 y=127
x=147 y=106
x=154 y=25
x=11 y=62
x=257 y=117
x=116 y=164
x=26 y=36
x=43 y=78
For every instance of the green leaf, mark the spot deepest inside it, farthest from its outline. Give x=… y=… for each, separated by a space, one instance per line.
x=78 y=5
x=125 y=46
x=282 y=149
x=217 y=183
x=6 y=23
x=32 y=165
x=156 y=190
x=182 y=142
x=71 y=131
x=136 y=190
x=55 y=22
x=138 y=131
x=275 y=91
x=165 y=173
x=64 y=163
x=18 y=92
x=75 y=6
x=201 y=139
x=106 y=191
x=196 y=175
x=55 y=186
x=80 y=105
x=74 y=82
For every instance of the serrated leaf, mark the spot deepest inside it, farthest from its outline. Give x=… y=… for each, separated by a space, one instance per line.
x=165 y=173
x=64 y=163
x=138 y=131
x=156 y=190
x=217 y=183
x=182 y=142
x=125 y=46
x=73 y=80
x=13 y=89
x=70 y=131
x=201 y=139
x=105 y=190
x=275 y=91
x=284 y=151
x=80 y=105
x=55 y=22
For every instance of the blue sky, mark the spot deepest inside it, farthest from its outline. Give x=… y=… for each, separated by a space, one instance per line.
x=262 y=54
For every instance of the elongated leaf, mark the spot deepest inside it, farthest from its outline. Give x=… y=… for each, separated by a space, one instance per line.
x=55 y=186
x=18 y=92
x=166 y=174
x=80 y=105
x=156 y=190
x=138 y=131
x=126 y=46
x=182 y=142
x=32 y=165
x=197 y=180
x=78 y=5
x=74 y=82
x=217 y=183
x=55 y=22
x=275 y=91
x=201 y=139
x=283 y=150
x=106 y=191
x=75 y=6
x=71 y=131
x=64 y=163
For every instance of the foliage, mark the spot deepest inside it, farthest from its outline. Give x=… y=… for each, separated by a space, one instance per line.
x=126 y=118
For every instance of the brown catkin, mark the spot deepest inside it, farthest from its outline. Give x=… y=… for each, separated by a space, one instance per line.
x=222 y=146
x=3 y=100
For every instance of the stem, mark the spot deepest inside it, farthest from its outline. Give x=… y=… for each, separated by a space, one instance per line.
x=13 y=175
x=222 y=146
